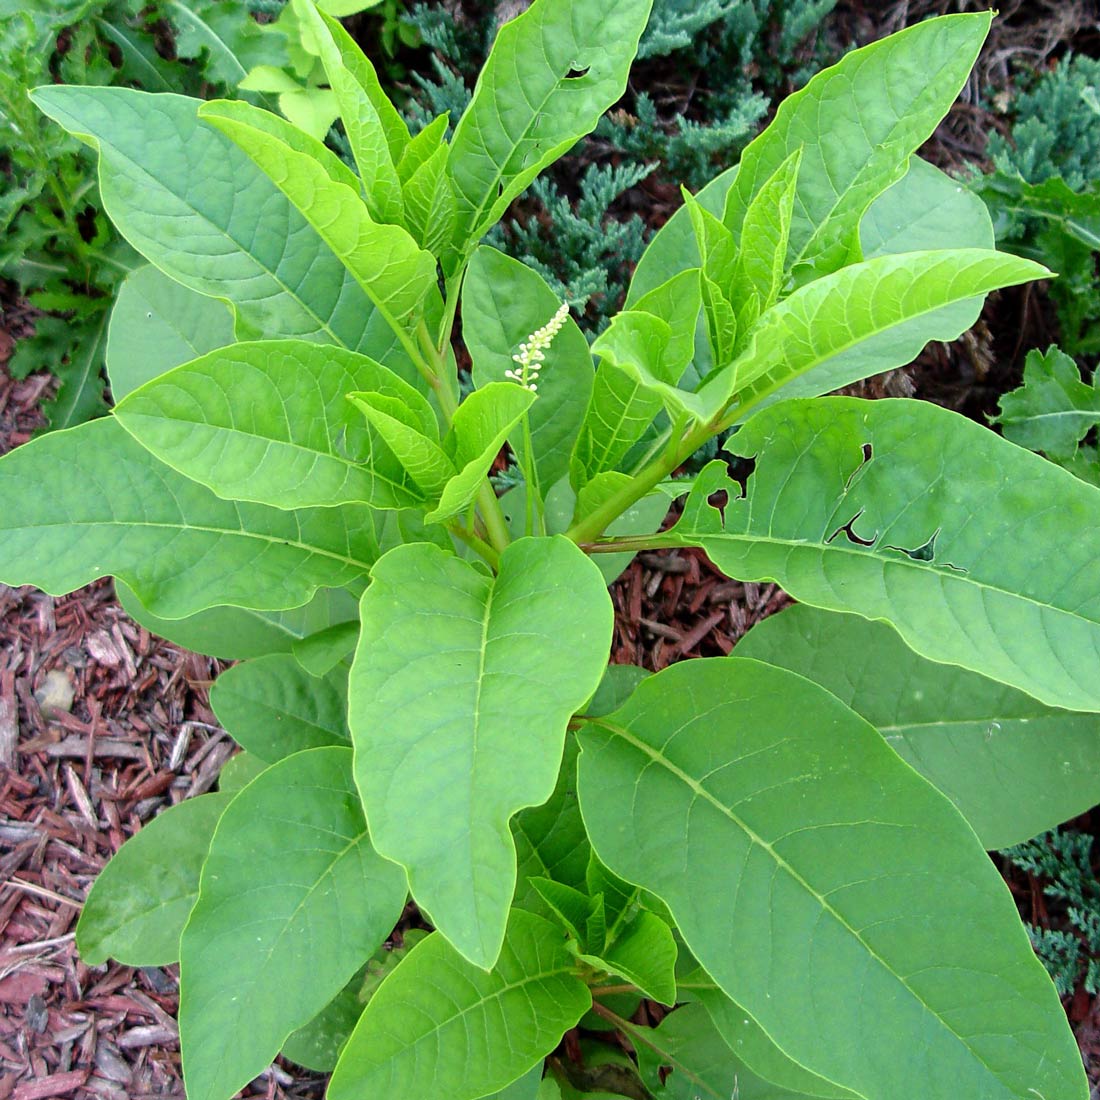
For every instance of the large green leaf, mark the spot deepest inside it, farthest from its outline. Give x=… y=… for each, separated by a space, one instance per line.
x=90 y=502
x=270 y=422
x=441 y=1027
x=503 y=303
x=856 y=125
x=274 y=708
x=796 y=852
x=234 y=236
x=157 y=324
x=461 y=689
x=803 y=337
x=237 y=633
x=392 y=271
x=293 y=900
x=905 y=512
x=1012 y=766
x=551 y=74
x=140 y=902
x=644 y=954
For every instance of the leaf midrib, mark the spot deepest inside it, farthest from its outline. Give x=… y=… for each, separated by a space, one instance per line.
x=702 y=792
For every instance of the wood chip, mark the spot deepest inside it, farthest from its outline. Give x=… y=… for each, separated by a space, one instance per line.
x=60 y=1084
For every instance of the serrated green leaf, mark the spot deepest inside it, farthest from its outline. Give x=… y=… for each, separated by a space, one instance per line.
x=802 y=342
x=857 y=123
x=905 y=512
x=452 y=668
x=272 y=707
x=140 y=902
x=157 y=324
x=392 y=271
x=814 y=843
x=956 y=728
x=268 y=421
x=570 y=59
x=292 y=901
x=1053 y=410
x=234 y=235
x=440 y=1026
x=503 y=303
x=237 y=633
x=179 y=547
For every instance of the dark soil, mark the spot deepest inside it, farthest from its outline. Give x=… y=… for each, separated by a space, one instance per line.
x=138 y=735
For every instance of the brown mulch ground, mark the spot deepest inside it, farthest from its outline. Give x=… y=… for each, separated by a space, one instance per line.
x=103 y=725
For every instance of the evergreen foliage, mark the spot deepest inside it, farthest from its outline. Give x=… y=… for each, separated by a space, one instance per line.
x=1063 y=858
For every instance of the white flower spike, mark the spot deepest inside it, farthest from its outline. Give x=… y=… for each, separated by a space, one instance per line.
x=532 y=352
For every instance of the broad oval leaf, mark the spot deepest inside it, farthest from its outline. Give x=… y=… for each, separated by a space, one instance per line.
x=269 y=421
x=440 y=1026
x=551 y=74
x=857 y=123
x=503 y=302
x=234 y=236
x=1013 y=766
x=140 y=902
x=157 y=324
x=293 y=899
x=460 y=692
x=179 y=547
x=274 y=708
x=905 y=512
x=794 y=851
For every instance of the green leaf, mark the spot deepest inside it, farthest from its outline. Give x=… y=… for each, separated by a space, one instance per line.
x=140 y=902
x=236 y=773
x=1053 y=410
x=551 y=74
x=231 y=41
x=644 y=954
x=237 y=633
x=956 y=728
x=430 y=207
x=293 y=899
x=452 y=667
x=364 y=106
x=719 y=254
x=803 y=339
x=385 y=261
x=569 y=907
x=795 y=859
x=550 y=839
x=269 y=422
x=234 y=236
x=317 y=1046
x=524 y=1088
x=617 y=685
x=856 y=124
x=441 y=1026
x=480 y=427
x=178 y=546
x=873 y=508
x=272 y=707
x=158 y=324
x=503 y=303
x=321 y=652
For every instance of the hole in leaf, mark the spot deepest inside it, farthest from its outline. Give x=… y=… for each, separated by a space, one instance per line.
x=741 y=470
x=849 y=532
x=926 y=552
x=868 y=454
x=664 y=1073
x=577 y=72
x=719 y=499
x=85 y=224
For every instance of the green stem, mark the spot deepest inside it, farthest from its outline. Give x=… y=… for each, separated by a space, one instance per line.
x=593 y=525
x=535 y=524
x=453 y=290
x=475 y=543
x=492 y=515
x=435 y=371
x=613 y=990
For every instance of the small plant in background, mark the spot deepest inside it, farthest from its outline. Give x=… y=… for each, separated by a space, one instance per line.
x=747 y=840
x=1045 y=191
x=1062 y=860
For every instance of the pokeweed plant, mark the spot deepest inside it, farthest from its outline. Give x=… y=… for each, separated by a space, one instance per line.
x=787 y=843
